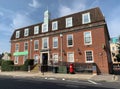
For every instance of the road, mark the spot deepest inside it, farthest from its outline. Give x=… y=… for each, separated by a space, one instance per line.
x=51 y=83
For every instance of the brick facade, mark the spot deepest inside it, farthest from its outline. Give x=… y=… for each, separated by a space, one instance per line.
x=99 y=47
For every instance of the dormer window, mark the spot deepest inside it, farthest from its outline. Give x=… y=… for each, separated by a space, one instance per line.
x=86 y=18
x=69 y=22
x=36 y=29
x=17 y=34
x=26 y=32
x=54 y=25
x=44 y=27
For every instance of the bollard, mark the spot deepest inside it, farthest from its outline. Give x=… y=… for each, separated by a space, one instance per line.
x=28 y=68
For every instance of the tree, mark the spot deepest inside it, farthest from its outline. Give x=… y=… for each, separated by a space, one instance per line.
x=118 y=55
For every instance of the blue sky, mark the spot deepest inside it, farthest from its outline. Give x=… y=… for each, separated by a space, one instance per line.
x=20 y=13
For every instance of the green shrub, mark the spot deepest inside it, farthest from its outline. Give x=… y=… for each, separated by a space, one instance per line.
x=0 y=62
x=29 y=62
x=7 y=65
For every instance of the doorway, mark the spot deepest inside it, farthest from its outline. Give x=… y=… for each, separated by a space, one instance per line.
x=45 y=59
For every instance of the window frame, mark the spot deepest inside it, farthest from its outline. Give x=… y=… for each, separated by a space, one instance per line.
x=53 y=42
x=69 y=24
x=16 y=60
x=85 y=43
x=25 y=57
x=47 y=42
x=26 y=32
x=56 y=25
x=91 y=55
x=73 y=60
x=25 y=45
x=68 y=40
x=88 y=17
x=35 y=44
x=36 y=29
x=16 y=47
x=54 y=60
x=17 y=34
x=43 y=27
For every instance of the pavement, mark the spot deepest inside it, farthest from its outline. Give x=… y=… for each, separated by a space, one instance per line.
x=107 y=78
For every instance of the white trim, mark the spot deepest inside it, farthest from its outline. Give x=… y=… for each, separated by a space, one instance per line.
x=54 y=40
x=41 y=56
x=36 y=29
x=34 y=58
x=53 y=56
x=17 y=34
x=26 y=32
x=83 y=18
x=16 y=60
x=72 y=40
x=27 y=45
x=56 y=25
x=90 y=38
x=70 y=23
x=18 y=47
x=92 y=57
x=43 y=42
x=73 y=56
x=46 y=27
x=24 y=58
x=34 y=44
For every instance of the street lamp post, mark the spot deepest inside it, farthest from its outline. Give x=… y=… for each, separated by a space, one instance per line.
x=30 y=47
x=61 y=35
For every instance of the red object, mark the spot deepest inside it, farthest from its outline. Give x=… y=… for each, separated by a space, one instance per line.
x=71 y=69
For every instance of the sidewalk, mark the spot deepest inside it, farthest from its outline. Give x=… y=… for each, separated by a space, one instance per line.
x=108 y=78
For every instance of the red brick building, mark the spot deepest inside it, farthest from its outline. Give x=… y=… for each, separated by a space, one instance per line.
x=80 y=37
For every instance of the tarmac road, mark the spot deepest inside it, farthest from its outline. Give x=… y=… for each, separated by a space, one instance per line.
x=52 y=83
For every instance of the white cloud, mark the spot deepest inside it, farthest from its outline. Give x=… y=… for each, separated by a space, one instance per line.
x=34 y=4
x=75 y=7
x=21 y=20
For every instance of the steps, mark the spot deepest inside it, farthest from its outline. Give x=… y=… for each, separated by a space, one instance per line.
x=36 y=68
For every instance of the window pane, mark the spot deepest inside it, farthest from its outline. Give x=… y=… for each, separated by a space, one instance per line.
x=87 y=38
x=36 y=29
x=25 y=46
x=70 y=57
x=69 y=22
x=70 y=40
x=89 y=56
x=55 y=42
x=54 y=25
x=86 y=18
x=36 y=44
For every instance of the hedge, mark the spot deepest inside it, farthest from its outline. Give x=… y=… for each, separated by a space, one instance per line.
x=8 y=65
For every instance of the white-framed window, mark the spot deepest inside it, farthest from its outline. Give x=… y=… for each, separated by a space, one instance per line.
x=36 y=58
x=55 y=57
x=17 y=34
x=25 y=58
x=55 y=25
x=16 y=60
x=44 y=27
x=36 y=44
x=45 y=43
x=70 y=40
x=70 y=56
x=17 y=47
x=26 y=32
x=89 y=56
x=87 y=38
x=69 y=22
x=86 y=18
x=25 y=46
x=36 y=29
x=55 y=42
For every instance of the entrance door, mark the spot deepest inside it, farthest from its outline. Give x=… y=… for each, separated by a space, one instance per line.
x=45 y=59
x=45 y=62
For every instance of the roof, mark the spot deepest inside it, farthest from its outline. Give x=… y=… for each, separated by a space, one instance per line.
x=95 y=15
